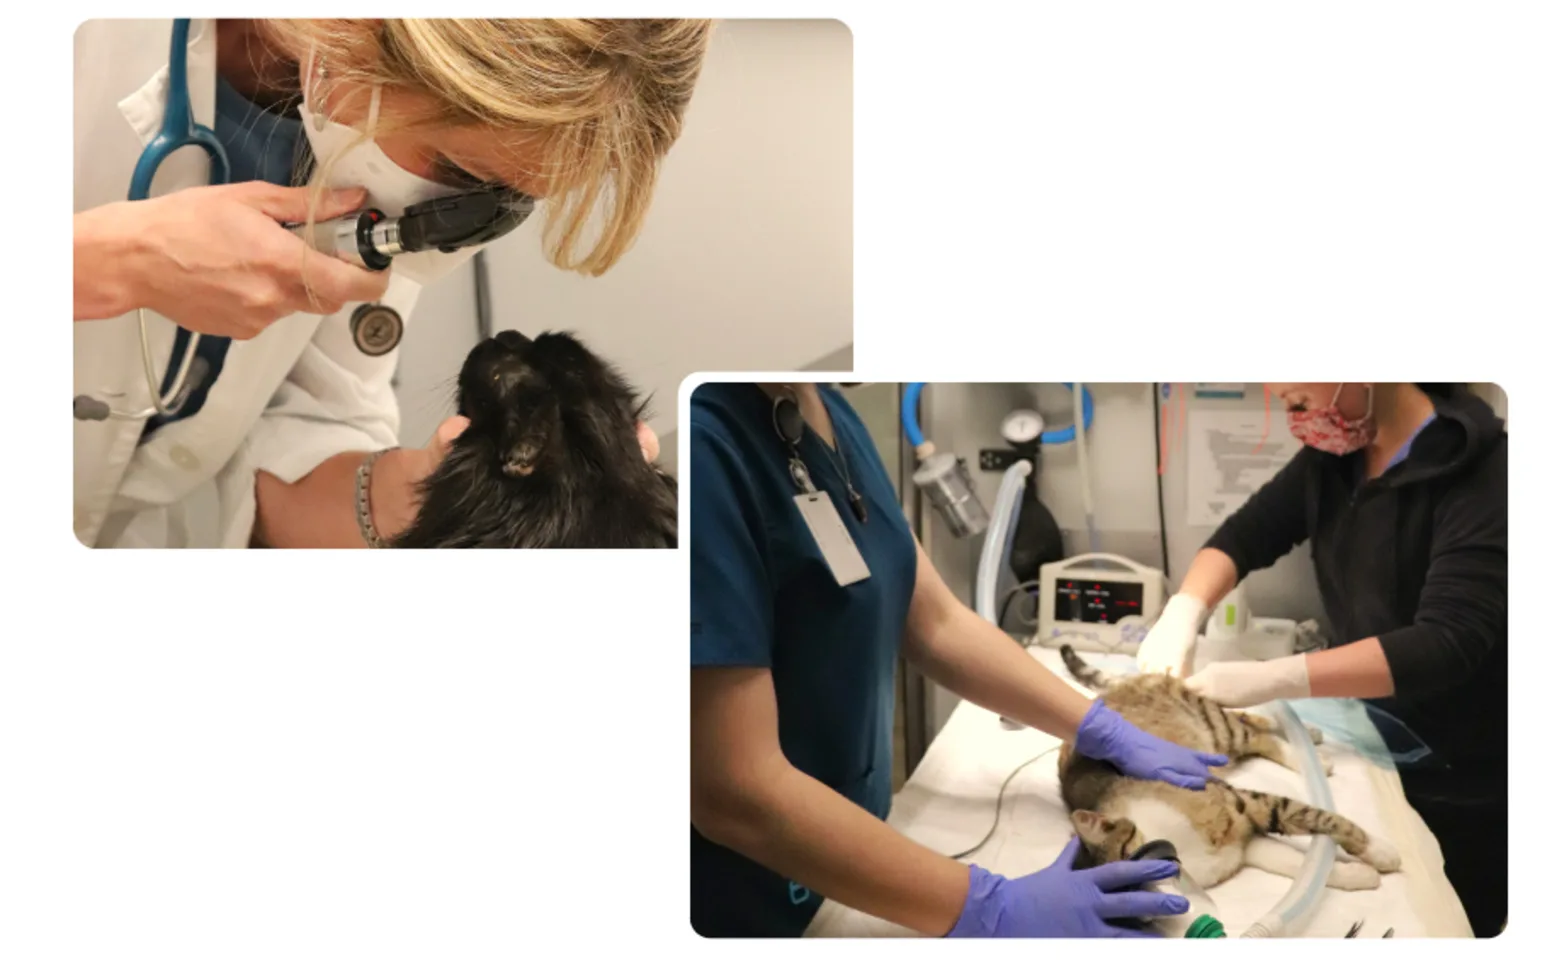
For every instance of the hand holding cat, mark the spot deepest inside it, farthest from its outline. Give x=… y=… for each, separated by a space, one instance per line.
x=650 y=448
x=1104 y=735
x=1169 y=647
x=1059 y=901
x=1250 y=683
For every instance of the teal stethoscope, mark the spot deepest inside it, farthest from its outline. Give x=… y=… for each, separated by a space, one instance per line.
x=179 y=130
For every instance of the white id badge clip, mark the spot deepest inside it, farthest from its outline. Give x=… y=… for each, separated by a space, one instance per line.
x=819 y=513
x=831 y=536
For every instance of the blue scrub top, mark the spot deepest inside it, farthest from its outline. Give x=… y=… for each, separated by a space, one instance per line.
x=1360 y=467
x=761 y=595
x=261 y=145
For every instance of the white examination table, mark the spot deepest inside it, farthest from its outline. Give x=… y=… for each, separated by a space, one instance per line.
x=948 y=804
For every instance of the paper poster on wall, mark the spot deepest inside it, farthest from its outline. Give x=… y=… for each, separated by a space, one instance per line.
x=1230 y=457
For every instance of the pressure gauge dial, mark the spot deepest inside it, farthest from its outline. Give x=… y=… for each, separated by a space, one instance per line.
x=1022 y=426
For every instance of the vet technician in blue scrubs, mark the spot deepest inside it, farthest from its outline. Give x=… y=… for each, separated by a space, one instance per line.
x=801 y=604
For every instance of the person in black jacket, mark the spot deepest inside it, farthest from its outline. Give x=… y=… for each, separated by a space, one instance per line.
x=1401 y=491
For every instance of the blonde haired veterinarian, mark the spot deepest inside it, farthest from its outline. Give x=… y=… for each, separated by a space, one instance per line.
x=286 y=425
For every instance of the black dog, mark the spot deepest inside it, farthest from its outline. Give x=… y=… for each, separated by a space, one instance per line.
x=551 y=458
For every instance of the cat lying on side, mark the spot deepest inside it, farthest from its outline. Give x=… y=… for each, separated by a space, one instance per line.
x=1218 y=830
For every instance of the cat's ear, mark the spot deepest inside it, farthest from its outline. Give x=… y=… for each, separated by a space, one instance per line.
x=1088 y=822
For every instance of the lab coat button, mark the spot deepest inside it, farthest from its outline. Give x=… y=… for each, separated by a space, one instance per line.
x=182 y=457
x=376 y=329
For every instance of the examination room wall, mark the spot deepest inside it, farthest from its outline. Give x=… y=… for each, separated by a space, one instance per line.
x=745 y=262
x=1123 y=459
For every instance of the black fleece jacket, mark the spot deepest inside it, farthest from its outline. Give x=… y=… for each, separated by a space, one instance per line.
x=1416 y=557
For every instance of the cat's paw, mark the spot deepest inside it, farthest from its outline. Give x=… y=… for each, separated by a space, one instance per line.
x=1293 y=759
x=1315 y=734
x=1380 y=855
x=1353 y=876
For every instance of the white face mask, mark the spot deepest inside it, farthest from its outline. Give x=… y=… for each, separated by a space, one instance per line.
x=391 y=189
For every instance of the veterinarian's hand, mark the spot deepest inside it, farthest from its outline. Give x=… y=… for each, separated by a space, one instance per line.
x=1169 y=647
x=393 y=489
x=1104 y=735
x=215 y=259
x=1060 y=902
x=1250 y=683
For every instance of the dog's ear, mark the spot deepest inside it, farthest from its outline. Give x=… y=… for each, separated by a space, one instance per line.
x=526 y=437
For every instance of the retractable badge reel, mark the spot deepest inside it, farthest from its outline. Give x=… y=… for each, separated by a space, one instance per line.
x=815 y=506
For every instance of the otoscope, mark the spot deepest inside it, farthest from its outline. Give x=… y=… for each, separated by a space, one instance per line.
x=370 y=238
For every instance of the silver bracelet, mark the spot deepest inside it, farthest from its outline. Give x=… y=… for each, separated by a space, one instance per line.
x=366 y=523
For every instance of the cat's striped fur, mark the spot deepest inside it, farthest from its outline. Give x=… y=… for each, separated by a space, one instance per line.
x=1216 y=830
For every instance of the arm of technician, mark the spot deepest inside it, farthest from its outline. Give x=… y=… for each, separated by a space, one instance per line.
x=1461 y=618
x=318 y=509
x=746 y=796
x=1265 y=529
x=955 y=647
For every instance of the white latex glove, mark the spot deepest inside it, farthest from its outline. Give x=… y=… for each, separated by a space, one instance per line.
x=1169 y=646
x=1250 y=683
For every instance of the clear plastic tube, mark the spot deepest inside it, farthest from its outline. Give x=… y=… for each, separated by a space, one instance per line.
x=1288 y=916
x=999 y=539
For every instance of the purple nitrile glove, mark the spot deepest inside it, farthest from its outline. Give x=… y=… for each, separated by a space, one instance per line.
x=1104 y=735
x=1060 y=902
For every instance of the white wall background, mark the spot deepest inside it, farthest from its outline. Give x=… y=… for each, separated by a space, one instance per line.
x=1122 y=451
x=746 y=259
x=1496 y=397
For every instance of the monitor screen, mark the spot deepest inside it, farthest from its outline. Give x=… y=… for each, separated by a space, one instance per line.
x=1096 y=601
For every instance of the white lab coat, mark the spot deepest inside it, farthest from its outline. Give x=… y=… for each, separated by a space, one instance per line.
x=287 y=400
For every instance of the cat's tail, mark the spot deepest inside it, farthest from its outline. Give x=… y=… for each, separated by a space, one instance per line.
x=1271 y=813
x=1089 y=676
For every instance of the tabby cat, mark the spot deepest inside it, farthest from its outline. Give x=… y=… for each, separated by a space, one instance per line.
x=1220 y=829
